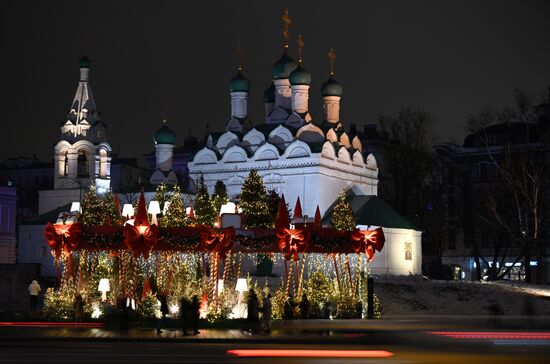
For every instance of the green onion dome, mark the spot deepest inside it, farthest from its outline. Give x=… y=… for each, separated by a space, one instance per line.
x=300 y=76
x=331 y=88
x=165 y=135
x=85 y=62
x=239 y=83
x=282 y=68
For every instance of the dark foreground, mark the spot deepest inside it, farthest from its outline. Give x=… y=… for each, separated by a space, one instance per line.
x=405 y=341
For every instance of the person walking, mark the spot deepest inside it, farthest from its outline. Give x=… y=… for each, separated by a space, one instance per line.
x=253 y=312
x=185 y=314
x=34 y=291
x=163 y=311
x=195 y=314
x=304 y=307
x=267 y=312
x=78 y=306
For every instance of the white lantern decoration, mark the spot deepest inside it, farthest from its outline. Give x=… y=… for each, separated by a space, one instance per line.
x=75 y=207
x=104 y=287
x=128 y=210
x=241 y=285
x=165 y=208
x=220 y=285
x=154 y=210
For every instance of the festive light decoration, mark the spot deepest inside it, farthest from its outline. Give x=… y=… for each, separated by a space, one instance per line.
x=174 y=215
x=254 y=203
x=141 y=237
x=219 y=197
x=291 y=242
x=367 y=241
x=342 y=216
x=204 y=209
x=218 y=241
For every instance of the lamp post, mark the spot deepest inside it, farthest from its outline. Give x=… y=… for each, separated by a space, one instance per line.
x=154 y=210
x=104 y=287
x=128 y=211
x=241 y=287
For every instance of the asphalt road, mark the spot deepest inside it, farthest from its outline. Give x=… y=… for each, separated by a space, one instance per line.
x=395 y=348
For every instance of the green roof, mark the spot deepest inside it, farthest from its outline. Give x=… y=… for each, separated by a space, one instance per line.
x=331 y=88
x=372 y=210
x=165 y=135
x=50 y=216
x=239 y=83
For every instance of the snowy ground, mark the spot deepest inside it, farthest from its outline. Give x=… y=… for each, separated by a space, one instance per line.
x=409 y=297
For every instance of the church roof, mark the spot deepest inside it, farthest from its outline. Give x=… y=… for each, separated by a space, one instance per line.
x=50 y=216
x=372 y=210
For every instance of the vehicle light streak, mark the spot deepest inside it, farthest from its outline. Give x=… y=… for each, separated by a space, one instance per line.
x=311 y=353
x=493 y=335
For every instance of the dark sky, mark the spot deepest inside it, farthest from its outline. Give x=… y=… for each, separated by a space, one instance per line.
x=451 y=58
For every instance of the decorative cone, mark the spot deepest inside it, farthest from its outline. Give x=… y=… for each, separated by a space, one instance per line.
x=282 y=214
x=146 y=289
x=317 y=220
x=298 y=209
x=191 y=214
x=141 y=216
x=117 y=206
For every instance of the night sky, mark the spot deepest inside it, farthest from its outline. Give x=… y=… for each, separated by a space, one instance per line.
x=451 y=58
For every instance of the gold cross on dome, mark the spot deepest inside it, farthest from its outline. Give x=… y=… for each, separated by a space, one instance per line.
x=240 y=58
x=300 y=42
x=287 y=22
x=331 y=59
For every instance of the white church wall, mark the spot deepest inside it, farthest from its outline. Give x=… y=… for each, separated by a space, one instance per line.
x=401 y=255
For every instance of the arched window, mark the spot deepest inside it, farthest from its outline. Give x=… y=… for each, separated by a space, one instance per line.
x=82 y=165
x=102 y=163
x=66 y=165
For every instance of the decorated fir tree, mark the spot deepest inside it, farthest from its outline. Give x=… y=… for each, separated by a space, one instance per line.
x=204 y=209
x=111 y=215
x=162 y=194
x=342 y=215
x=219 y=197
x=254 y=203
x=93 y=208
x=273 y=200
x=175 y=214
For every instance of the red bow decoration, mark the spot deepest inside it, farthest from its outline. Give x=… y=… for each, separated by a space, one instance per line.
x=220 y=241
x=292 y=241
x=141 y=238
x=63 y=237
x=367 y=241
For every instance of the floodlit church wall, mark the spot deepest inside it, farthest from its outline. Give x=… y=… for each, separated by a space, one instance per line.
x=32 y=248
x=401 y=255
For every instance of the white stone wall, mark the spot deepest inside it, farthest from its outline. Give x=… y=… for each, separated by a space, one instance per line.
x=392 y=260
x=239 y=104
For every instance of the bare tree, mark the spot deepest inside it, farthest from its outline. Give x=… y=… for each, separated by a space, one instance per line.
x=514 y=205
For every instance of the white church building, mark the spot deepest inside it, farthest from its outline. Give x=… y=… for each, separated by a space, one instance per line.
x=300 y=157
x=296 y=156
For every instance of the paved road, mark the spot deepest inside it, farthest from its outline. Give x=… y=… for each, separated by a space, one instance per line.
x=396 y=347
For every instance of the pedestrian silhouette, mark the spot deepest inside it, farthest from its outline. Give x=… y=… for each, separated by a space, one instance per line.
x=34 y=291
x=195 y=314
x=163 y=311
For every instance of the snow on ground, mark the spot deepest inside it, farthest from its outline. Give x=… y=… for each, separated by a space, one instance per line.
x=407 y=297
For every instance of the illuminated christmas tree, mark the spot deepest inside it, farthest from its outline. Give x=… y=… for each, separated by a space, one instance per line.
x=161 y=195
x=219 y=197
x=175 y=214
x=342 y=215
x=204 y=209
x=93 y=208
x=112 y=216
x=254 y=203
